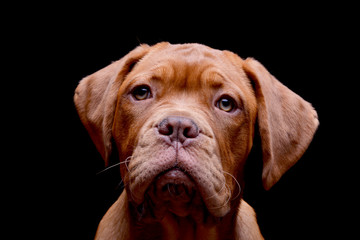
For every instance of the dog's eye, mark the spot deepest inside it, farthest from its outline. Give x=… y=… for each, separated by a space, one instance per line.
x=141 y=93
x=226 y=104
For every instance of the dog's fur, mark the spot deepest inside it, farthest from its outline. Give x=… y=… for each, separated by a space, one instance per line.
x=182 y=152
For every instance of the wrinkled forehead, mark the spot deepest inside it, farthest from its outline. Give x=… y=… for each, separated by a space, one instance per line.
x=192 y=66
x=191 y=53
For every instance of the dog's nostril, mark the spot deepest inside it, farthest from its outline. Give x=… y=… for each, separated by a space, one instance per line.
x=170 y=130
x=191 y=132
x=165 y=128
x=185 y=132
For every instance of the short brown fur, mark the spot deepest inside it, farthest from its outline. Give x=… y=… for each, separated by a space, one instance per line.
x=186 y=83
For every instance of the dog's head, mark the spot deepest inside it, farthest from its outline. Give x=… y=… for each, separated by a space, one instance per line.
x=182 y=118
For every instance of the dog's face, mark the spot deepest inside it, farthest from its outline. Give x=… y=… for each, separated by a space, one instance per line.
x=179 y=112
x=182 y=118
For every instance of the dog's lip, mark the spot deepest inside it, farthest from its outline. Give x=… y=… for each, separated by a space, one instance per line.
x=175 y=183
x=174 y=171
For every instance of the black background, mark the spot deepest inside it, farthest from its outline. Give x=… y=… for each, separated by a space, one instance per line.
x=61 y=195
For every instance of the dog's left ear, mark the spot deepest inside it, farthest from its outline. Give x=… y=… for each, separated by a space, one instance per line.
x=96 y=96
x=287 y=123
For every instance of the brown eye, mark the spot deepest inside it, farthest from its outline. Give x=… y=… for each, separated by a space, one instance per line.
x=141 y=93
x=226 y=104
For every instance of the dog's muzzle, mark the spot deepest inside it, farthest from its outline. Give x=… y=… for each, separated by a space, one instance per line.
x=182 y=175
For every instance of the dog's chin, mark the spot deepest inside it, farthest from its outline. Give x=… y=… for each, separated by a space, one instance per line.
x=174 y=192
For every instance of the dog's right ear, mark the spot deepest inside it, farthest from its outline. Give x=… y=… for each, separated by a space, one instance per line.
x=96 y=96
x=287 y=123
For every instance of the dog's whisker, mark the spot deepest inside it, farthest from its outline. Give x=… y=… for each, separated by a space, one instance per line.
x=110 y=167
x=127 y=160
x=120 y=184
x=228 y=199
x=116 y=164
x=228 y=191
x=230 y=194
x=237 y=183
x=222 y=188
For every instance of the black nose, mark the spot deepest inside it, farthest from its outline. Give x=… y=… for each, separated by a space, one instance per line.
x=178 y=128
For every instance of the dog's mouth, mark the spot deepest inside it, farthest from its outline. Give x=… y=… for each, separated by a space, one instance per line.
x=174 y=185
x=172 y=191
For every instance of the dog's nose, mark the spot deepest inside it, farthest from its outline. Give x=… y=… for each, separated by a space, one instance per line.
x=178 y=128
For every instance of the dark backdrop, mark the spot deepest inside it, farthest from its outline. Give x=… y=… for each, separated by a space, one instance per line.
x=296 y=47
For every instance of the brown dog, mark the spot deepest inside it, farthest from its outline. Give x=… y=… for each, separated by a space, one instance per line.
x=182 y=118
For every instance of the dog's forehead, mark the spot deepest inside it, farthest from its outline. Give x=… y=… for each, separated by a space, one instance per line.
x=192 y=52
x=191 y=63
x=180 y=54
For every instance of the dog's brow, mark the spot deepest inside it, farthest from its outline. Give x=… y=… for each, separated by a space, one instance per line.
x=214 y=80
x=158 y=73
x=215 y=84
x=157 y=78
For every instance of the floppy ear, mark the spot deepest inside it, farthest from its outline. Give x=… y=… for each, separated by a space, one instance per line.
x=287 y=123
x=96 y=96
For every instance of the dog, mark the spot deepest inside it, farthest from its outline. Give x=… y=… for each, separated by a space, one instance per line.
x=182 y=119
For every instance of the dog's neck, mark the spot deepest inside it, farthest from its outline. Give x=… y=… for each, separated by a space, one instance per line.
x=171 y=227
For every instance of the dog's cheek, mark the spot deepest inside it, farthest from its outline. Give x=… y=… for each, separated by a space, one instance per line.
x=129 y=119
x=234 y=136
